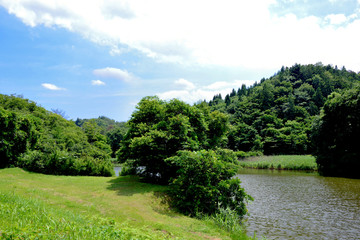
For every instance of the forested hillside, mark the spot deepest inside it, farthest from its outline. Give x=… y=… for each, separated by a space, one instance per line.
x=41 y=141
x=110 y=130
x=275 y=116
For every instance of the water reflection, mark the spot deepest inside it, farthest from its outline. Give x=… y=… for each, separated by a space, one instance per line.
x=294 y=205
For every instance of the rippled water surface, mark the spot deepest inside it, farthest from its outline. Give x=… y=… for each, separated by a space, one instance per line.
x=290 y=205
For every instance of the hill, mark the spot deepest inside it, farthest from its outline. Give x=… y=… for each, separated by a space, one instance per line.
x=275 y=116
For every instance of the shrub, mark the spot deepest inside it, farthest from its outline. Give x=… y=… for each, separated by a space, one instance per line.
x=63 y=163
x=204 y=183
x=226 y=155
x=242 y=154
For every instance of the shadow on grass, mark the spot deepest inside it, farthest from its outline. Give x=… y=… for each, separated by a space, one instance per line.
x=130 y=185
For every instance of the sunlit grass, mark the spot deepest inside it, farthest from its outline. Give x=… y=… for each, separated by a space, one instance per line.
x=37 y=206
x=281 y=162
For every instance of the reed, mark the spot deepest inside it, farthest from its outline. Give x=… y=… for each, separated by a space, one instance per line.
x=281 y=162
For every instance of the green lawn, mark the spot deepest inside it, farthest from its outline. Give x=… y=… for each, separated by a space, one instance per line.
x=281 y=162
x=37 y=206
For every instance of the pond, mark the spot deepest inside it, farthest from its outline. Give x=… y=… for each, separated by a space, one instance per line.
x=293 y=205
x=117 y=171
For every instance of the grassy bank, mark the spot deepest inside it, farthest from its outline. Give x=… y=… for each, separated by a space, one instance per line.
x=281 y=162
x=37 y=206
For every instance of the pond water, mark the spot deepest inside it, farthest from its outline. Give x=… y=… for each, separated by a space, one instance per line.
x=117 y=171
x=293 y=205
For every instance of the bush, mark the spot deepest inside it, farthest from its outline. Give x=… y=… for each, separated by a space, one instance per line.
x=226 y=155
x=204 y=183
x=242 y=154
x=63 y=163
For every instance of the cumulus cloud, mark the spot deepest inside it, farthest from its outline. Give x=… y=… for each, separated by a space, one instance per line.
x=183 y=83
x=336 y=19
x=52 y=87
x=114 y=73
x=97 y=83
x=226 y=32
x=206 y=92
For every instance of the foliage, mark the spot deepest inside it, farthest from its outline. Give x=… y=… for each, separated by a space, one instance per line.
x=64 y=163
x=335 y=133
x=42 y=141
x=158 y=129
x=228 y=219
x=204 y=183
x=275 y=116
x=281 y=162
x=242 y=154
x=112 y=131
x=17 y=135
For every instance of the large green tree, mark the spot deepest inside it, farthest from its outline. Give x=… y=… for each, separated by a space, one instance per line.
x=336 y=135
x=17 y=135
x=158 y=129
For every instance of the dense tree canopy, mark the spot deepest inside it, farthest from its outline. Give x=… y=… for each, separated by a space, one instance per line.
x=112 y=130
x=159 y=129
x=275 y=115
x=42 y=141
x=336 y=135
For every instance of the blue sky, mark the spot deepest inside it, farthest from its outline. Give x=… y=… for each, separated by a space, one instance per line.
x=93 y=58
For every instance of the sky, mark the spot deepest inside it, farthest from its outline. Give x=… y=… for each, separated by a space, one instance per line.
x=93 y=58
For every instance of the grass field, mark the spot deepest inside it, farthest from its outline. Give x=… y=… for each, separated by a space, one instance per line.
x=37 y=206
x=281 y=162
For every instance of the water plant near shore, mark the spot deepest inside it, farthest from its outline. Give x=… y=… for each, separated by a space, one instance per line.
x=281 y=162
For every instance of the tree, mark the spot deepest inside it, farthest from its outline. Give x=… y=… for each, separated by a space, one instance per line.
x=114 y=137
x=204 y=183
x=159 y=129
x=243 y=137
x=60 y=112
x=218 y=125
x=17 y=135
x=266 y=96
x=38 y=140
x=335 y=135
x=227 y=100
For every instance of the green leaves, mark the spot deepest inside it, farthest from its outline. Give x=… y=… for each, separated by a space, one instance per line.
x=204 y=183
x=337 y=150
x=159 y=129
x=41 y=141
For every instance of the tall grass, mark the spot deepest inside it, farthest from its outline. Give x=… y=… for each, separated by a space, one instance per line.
x=23 y=218
x=281 y=162
x=228 y=219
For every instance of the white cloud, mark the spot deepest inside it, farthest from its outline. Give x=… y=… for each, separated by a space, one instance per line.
x=97 y=83
x=336 y=19
x=217 y=32
x=207 y=92
x=114 y=73
x=183 y=83
x=52 y=87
